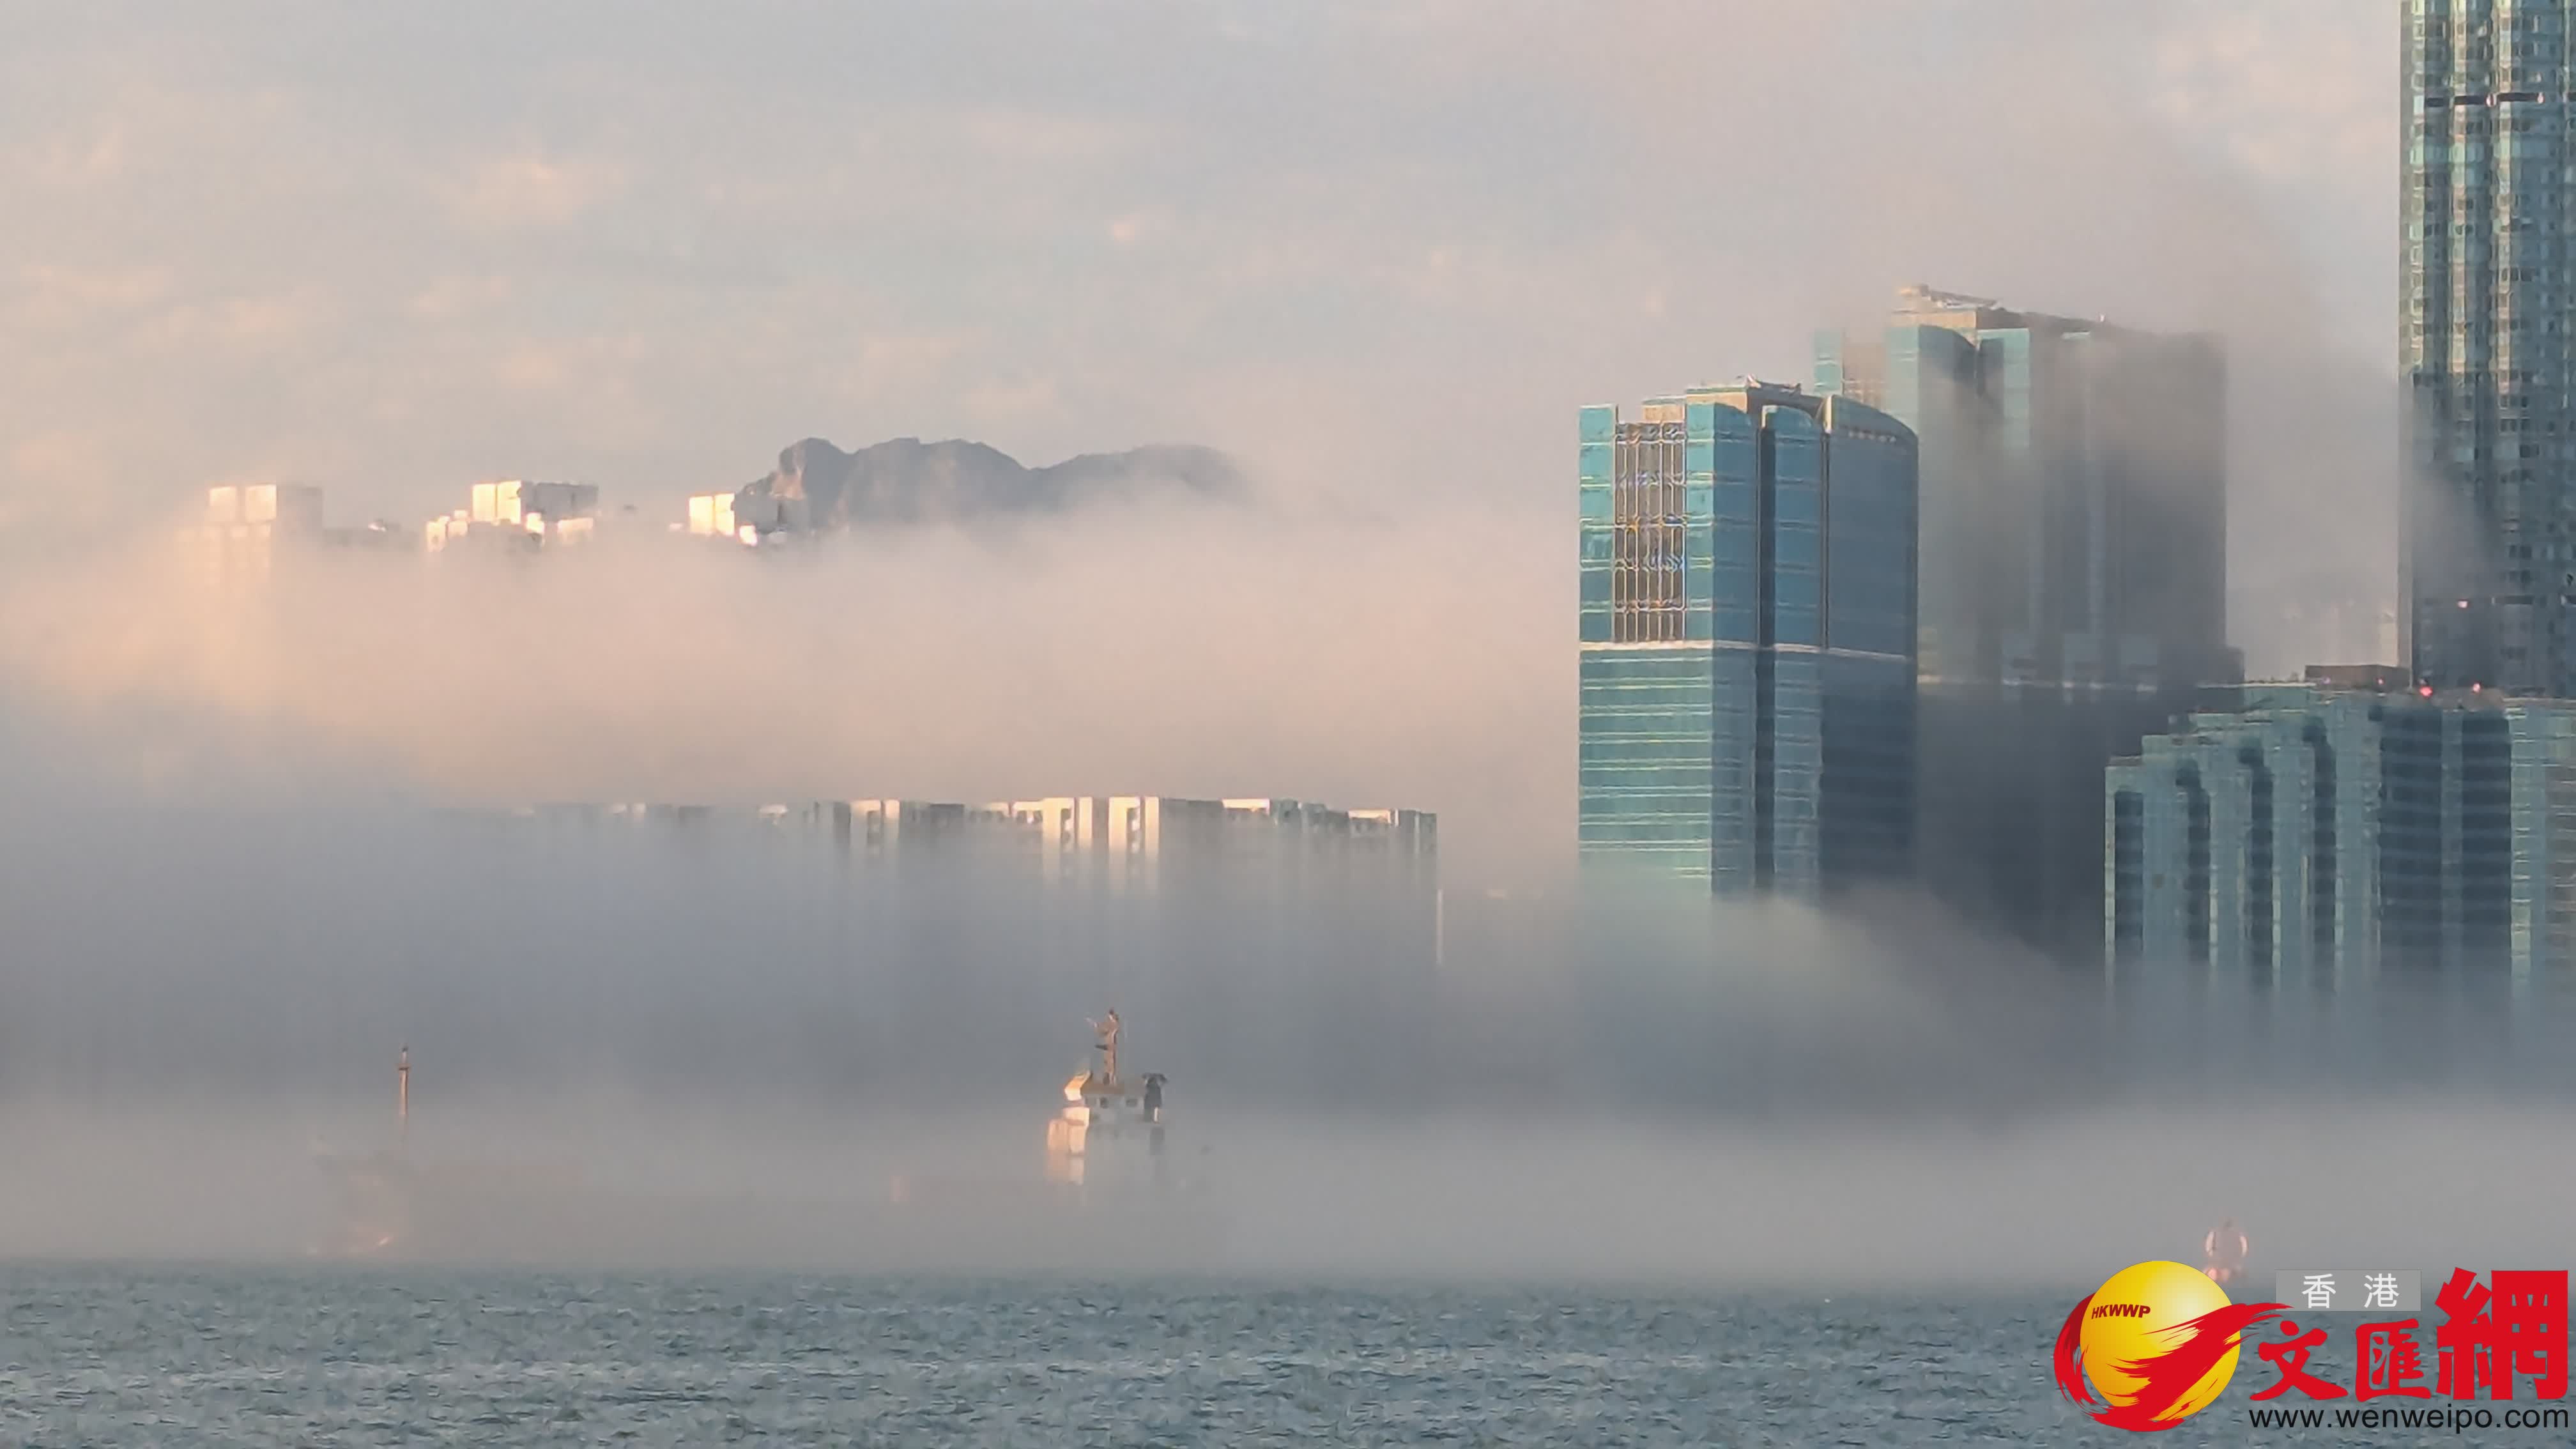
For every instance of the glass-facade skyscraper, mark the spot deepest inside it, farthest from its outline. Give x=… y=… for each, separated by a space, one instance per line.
x=1747 y=642
x=2488 y=537
x=2074 y=488
x=2074 y=580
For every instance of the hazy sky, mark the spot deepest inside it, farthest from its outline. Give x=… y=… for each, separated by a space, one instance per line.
x=1379 y=252
x=1380 y=249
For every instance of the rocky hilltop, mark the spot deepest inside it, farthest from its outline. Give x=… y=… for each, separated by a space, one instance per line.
x=907 y=481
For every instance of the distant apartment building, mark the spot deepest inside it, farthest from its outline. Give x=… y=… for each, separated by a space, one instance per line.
x=2329 y=831
x=1260 y=929
x=247 y=525
x=744 y=518
x=250 y=530
x=1747 y=642
x=2072 y=567
x=516 y=515
x=1119 y=844
x=710 y=515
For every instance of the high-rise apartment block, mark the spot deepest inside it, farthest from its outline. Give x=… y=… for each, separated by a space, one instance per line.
x=250 y=530
x=517 y=514
x=745 y=517
x=2352 y=824
x=1747 y=644
x=1293 y=941
x=2073 y=567
x=247 y=525
x=2488 y=535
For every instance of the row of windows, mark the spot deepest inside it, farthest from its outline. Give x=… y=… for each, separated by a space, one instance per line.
x=1711 y=614
x=2439 y=113
x=1645 y=735
x=1678 y=830
x=2513 y=148
x=1633 y=714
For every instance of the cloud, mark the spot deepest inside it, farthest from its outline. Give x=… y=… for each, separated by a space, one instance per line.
x=1001 y=400
x=532 y=191
x=2292 y=91
x=98 y=159
x=1380 y=253
x=876 y=365
x=272 y=323
x=50 y=469
x=68 y=294
x=446 y=298
x=1120 y=649
x=1138 y=227
x=1041 y=138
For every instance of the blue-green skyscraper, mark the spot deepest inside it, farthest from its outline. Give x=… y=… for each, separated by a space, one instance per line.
x=1747 y=640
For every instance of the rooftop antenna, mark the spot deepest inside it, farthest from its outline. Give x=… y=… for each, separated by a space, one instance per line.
x=402 y=1093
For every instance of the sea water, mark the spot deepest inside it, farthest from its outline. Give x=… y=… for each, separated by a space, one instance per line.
x=154 y=1355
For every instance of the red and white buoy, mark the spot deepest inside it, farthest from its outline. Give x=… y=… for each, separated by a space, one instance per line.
x=2223 y=1252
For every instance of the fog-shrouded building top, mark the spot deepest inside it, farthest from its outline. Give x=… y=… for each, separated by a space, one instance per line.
x=250 y=530
x=2074 y=489
x=2488 y=535
x=1061 y=835
x=2073 y=566
x=1746 y=627
x=518 y=514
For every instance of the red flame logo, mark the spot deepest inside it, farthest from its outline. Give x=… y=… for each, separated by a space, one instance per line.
x=2192 y=1348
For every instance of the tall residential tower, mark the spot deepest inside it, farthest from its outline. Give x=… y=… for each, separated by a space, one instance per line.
x=1747 y=638
x=2489 y=531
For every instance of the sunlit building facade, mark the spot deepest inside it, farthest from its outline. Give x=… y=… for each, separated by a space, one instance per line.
x=2488 y=536
x=1747 y=635
x=250 y=532
x=744 y=517
x=2324 y=832
x=246 y=528
x=518 y=515
x=2073 y=563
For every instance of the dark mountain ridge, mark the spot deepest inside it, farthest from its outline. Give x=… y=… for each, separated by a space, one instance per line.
x=905 y=480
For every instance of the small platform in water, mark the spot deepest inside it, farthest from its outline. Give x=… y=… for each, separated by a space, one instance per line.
x=1103 y=1203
